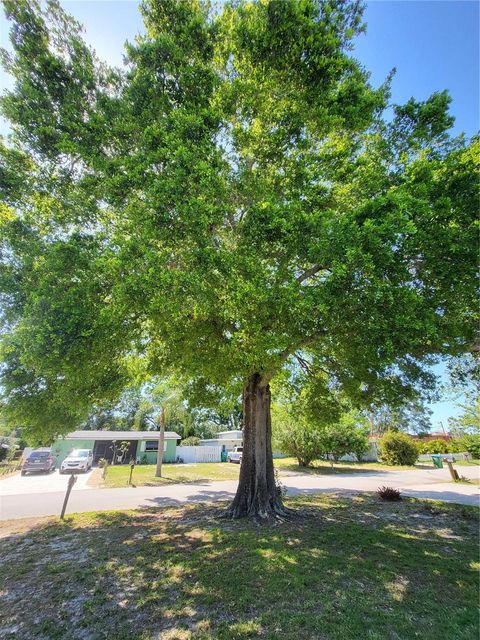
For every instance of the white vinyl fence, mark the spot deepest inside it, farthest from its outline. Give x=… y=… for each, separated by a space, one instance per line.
x=427 y=457
x=199 y=454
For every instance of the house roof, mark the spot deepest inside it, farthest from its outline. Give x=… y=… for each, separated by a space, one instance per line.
x=222 y=440
x=235 y=433
x=120 y=435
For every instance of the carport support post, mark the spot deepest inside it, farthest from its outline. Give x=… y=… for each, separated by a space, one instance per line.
x=71 y=482
x=161 y=441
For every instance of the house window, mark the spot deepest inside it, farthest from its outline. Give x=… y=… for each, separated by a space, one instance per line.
x=152 y=445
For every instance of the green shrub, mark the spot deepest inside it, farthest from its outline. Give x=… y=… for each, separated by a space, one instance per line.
x=398 y=449
x=457 y=446
x=471 y=443
x=344 y=438
x=294 y=435
x=191 y=441
x=435 y=446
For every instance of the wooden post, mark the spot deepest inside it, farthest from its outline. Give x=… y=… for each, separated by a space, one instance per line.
x=453 y=471
x=71 y=482
x=132 y=464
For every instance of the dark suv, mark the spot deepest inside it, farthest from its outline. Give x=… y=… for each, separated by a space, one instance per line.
x=39 y=460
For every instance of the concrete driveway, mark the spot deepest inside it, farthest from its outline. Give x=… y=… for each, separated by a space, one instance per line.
x=40 y=483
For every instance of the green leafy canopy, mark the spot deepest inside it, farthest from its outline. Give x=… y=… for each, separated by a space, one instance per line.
x=235 y=195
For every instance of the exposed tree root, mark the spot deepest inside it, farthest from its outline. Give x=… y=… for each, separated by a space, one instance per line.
x=271 y=514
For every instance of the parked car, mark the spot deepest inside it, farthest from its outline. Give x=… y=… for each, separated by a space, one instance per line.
x=77 y=460
x=38 y=460
x=235 y=455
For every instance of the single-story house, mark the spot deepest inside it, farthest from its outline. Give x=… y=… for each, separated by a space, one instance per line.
x=225 y=439
x=142 y=445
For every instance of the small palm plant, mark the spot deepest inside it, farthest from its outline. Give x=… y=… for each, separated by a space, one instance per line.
x=389 y=493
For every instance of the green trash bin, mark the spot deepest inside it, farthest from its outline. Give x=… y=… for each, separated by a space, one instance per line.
x=223 y=456
x=437 y=460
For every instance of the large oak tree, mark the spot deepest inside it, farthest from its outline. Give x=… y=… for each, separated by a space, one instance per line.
x=236 y=195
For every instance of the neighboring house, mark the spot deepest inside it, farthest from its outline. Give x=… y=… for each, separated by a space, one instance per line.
x=370 y=455
x=225 y=439
x=436 y=435
x=141 y=445
x=228 y=440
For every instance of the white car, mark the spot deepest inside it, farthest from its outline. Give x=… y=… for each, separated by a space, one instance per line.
x=235 y=455
x=77 y=460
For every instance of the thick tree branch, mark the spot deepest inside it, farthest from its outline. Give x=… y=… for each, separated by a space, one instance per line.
x=305 y=365
x=308 y=273
x=283 y=356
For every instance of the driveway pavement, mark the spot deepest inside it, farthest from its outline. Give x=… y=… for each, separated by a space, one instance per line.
x=40 y=483
x=433 y=484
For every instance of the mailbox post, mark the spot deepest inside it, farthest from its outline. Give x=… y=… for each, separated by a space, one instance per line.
x=453 y=472
x=71 y=481
x=132 y=465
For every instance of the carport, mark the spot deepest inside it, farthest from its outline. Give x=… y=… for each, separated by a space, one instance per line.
x=108 y=449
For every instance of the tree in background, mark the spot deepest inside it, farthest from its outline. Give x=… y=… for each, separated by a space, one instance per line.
x=128 y=412
x=160 y=401
x=117 y=415
x=231 y=199
x=463 y=387
x=463 y=374
x=468 y=422
x=294 y=435
x=348 y=436
x=310 y=426
x=466 y=427
x=308 y=441
x=207 y=421
x=412 y=416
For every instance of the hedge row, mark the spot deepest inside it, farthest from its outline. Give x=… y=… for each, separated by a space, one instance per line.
x=397 y=448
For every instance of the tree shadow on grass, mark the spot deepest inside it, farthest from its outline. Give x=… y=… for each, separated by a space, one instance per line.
x=349 y=568
x=435 y=493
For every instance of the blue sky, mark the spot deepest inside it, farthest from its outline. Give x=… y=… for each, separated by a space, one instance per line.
x=434 y=45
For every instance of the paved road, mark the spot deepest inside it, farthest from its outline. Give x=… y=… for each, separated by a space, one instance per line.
x=432 y=484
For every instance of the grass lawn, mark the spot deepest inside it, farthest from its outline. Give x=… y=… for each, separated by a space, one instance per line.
x=348 y=569
x=325 y=467
x=467 y=463
x=144 y=474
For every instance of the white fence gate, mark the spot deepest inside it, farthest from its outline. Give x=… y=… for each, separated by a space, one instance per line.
x=199 y=454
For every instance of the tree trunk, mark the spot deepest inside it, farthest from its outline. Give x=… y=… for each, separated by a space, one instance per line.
x=257 y=495
x=161 y=443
